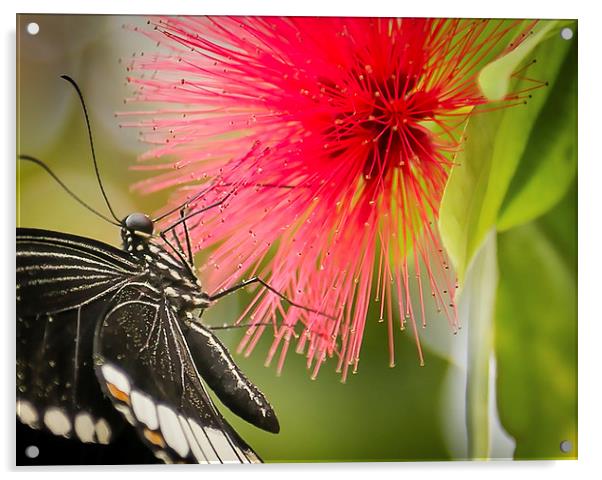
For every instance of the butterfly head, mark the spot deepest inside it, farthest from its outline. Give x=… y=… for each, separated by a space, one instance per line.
x=136 y=229
x=139 y=223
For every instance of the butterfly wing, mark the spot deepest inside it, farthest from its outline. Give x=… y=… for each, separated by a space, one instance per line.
x=57 y=272
x=64 y=283
x=57 y=388
x=145 y=367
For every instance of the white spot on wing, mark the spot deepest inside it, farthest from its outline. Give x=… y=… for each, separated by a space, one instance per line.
x=103 y=431
x=117 y=378
x=57 y=422
x=125 y=411
x=201 y=438
x=222 y=446
x=194 y=445
x=84 y=427
x=172 y=431
x=144 y=410
x=161 y=455
x=27 y=412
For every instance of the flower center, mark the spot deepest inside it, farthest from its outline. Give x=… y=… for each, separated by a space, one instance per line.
x=387 y=121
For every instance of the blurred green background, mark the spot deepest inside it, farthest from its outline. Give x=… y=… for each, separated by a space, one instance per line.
x=381 y=414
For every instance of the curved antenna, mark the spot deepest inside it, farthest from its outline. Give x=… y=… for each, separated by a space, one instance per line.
x=67 y=189
x=81 y=99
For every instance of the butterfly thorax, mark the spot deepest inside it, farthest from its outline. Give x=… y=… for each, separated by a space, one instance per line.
x=169 y=274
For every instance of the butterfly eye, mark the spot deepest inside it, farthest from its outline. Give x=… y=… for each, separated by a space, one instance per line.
x=138 y=222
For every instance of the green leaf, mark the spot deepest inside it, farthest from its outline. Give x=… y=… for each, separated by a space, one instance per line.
x=549 y=163
x=495 y=143
x=536 y=333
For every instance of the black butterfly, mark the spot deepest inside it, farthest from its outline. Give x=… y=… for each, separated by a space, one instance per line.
x=101 y=329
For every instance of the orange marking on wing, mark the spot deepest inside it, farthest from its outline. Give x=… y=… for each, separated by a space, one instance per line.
x=154 y=437
x=118 y=394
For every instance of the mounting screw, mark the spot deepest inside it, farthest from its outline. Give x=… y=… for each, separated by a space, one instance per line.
x=32 y=28
x=32 y=451
x=566 y=33
x=566 y=446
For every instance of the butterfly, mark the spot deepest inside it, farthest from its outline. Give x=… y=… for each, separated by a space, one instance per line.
x=107 y=335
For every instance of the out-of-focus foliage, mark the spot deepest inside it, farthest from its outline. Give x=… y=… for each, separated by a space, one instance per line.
x=50 y=123
x=536 y=335
x=517 y=166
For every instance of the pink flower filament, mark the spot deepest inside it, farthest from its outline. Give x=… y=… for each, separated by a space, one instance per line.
x=335 y=138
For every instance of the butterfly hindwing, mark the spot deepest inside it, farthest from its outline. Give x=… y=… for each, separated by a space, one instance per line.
x=144 y=365
x=57 y=388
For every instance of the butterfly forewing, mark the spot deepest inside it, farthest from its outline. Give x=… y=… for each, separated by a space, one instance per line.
x=58 y=272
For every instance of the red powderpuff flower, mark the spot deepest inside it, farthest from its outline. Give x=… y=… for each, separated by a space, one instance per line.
x=329 y=142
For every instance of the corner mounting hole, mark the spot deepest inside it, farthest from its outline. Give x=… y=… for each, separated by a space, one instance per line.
x=566 y=446
x=32 y=451
x=566 y=33
x=33 y=28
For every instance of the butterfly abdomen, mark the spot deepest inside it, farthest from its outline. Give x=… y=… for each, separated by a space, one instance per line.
x=214 y=363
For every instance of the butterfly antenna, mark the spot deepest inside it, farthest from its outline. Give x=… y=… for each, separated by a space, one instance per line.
x=81 y=99
x=66 y=188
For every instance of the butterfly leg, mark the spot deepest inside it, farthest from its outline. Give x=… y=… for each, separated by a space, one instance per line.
x=187 y=236
x=178 y=249
x=217 y=203
x=266 y=285
x=176 y=240
x=188 y=250
x=197 y=212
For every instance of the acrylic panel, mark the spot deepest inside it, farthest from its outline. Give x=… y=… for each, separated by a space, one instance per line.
x=375 y=217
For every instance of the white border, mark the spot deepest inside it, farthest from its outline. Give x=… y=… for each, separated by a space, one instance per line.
x=438 y=8
x=590 y=239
